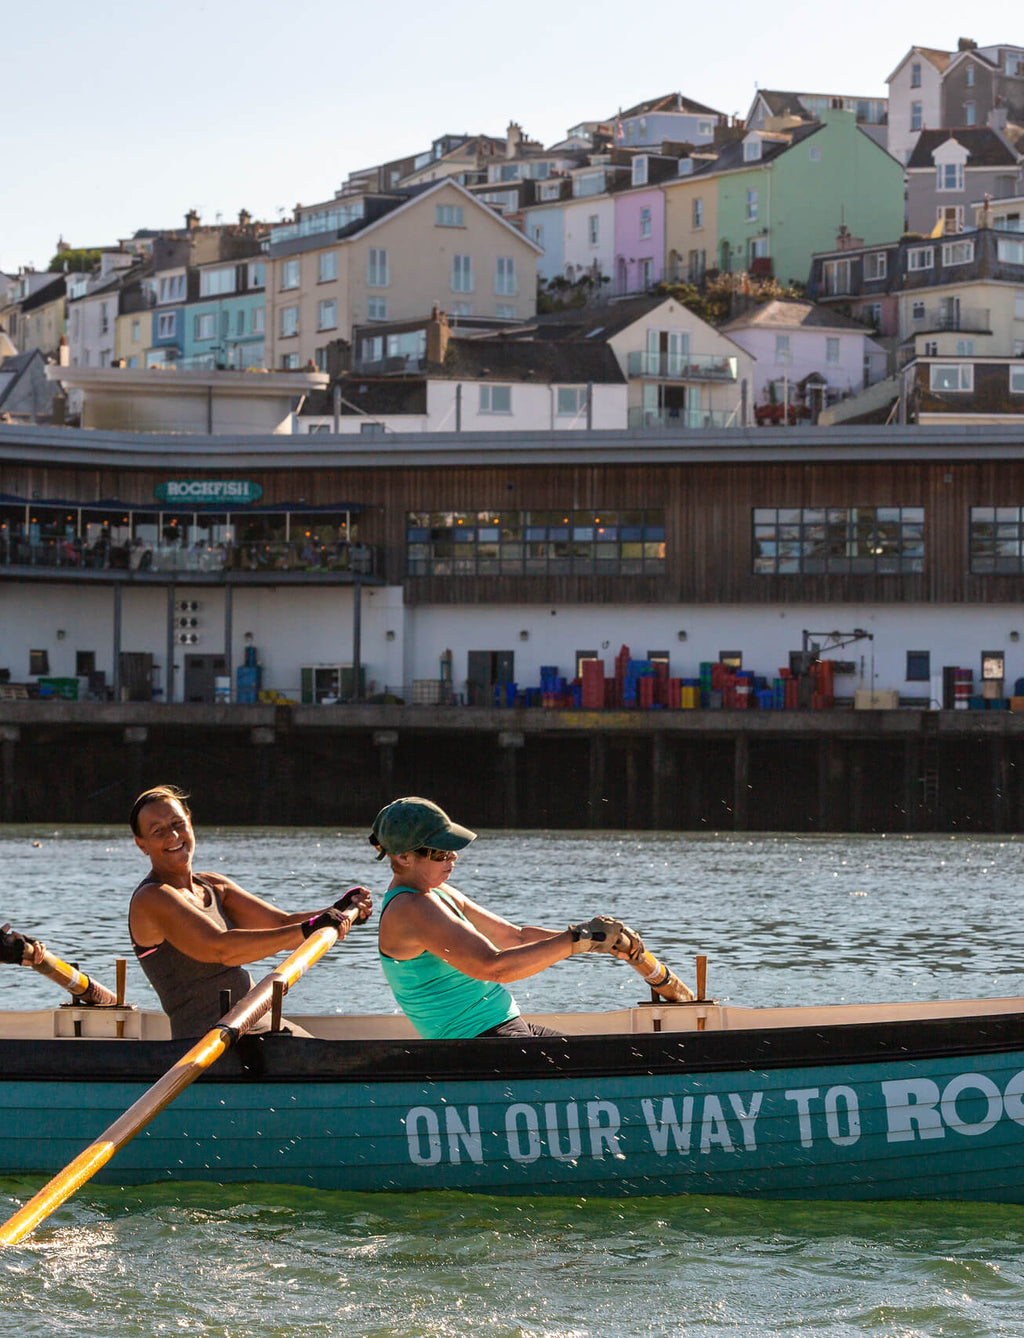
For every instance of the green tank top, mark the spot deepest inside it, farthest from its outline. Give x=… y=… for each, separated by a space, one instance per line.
x=439 y=1001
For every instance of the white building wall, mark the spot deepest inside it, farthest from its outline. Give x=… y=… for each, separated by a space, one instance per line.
x=534 y=409
x=579 y=251
x=901 y=95
x=295 y=626
x=808 y=353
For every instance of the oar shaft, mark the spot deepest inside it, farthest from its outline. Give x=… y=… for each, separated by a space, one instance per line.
x=245 y=1014
x=76 y=982
x=657 y=974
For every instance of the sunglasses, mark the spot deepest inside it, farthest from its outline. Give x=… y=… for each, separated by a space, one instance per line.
x=438 y=856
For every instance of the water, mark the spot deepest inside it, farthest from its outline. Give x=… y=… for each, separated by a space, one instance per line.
x=782 y=920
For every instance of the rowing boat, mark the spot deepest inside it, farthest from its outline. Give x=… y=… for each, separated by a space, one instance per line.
x=872 y=1101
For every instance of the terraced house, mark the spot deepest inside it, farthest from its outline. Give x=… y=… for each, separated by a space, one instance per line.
x=357 y=259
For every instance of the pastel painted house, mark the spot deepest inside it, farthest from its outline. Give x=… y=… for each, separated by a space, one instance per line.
x=640 y=226
x=805 y=356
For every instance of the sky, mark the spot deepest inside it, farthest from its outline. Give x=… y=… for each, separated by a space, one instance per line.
x=123 y=116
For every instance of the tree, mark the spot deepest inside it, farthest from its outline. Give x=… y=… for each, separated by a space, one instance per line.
x=75 y=261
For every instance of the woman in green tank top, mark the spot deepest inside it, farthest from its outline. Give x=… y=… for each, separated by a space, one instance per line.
x=447 y=958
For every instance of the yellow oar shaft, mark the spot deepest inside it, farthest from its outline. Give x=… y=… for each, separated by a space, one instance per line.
x=245 y=1014
x=657 y=974
x=74 y=981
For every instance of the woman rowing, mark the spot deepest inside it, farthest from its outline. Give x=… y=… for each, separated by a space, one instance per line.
x=194 y=932
x=445 y=957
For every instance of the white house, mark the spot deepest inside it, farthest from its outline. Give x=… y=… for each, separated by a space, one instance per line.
x=915 y=98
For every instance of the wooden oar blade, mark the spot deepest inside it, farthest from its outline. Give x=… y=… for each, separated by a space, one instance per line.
x=245 y=1014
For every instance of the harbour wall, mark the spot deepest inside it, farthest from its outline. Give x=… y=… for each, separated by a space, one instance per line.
x=262 y=765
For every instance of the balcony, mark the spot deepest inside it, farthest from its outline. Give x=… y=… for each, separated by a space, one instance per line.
x=673 y=420
x=244 y=561
x=973 y=320
x=681 y=366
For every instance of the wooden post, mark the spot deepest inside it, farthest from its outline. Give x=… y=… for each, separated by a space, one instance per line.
x=632 y=798
x=385 y=741
x=597 y=800
x=911 y=784
x=9 y=736
x=664 y=783
x=1000 y=784
x=263 y=741
x=510 y=741
x=741 y=782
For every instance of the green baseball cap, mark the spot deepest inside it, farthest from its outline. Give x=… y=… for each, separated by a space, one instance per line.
x=408 y=824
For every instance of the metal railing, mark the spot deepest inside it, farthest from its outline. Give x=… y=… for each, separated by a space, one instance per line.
x=974 y=319
x=670 y=420
x=682 y=366
x=261 y=555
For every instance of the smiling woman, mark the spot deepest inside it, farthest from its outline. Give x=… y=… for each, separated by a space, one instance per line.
x=193 y=933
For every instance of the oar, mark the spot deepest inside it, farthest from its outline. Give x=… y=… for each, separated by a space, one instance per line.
x=662 y=980
x=76 y=982
x=245 y=1014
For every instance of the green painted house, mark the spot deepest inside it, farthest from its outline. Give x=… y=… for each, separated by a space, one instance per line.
x=783 y=195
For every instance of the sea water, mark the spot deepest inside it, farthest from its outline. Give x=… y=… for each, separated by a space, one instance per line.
x=782 y=920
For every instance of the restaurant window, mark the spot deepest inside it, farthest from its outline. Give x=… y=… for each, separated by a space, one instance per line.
x=873 y=540
x=535 y=543
x=996 y=539
x=918 y=666
x=39 y=662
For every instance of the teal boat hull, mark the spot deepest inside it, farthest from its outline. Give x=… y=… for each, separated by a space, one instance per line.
x=928 y=1109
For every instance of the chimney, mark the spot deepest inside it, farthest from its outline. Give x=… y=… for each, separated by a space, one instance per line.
x=192 y=220
x=997 y=119
x=513 y=139
x=845 y=240
x=966 y=44
x=244 y=218
x=63 y=353
x=438 y=334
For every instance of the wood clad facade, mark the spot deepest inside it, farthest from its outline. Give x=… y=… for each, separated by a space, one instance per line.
x=708 y=494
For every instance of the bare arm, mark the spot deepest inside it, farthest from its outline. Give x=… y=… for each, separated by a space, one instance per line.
x=486 y=948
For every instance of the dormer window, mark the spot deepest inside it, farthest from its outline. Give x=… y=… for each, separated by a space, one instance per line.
x=640 y=170
x=752 y=149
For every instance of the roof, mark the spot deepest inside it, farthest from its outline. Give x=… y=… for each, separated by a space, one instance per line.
x=589 y=323
x=933 y=55
x=783 y=104
x=773 y=144
x=780 y=314
x=668 y=102
x=370 y=395
x=542 y=361
x=985 y=147
x=49 y=292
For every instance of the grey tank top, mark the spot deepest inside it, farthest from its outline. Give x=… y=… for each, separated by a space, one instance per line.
x=189 y=991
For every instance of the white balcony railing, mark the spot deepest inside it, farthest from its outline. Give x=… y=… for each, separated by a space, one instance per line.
x=682 y=366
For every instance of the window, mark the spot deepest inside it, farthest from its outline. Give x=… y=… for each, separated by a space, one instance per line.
x=135 y=331
x=918 y=666
x=969 y=76
x=957 y=253
x=377 y=267
x=970 y=114
x=751 y=150
x=698 y=212
x=645 y=222
x=1018 y=305
x=462 y=274
x=697 y=262
x=166 y=324
x=916 y=116
x=504 y=313
x=646 y=274
x=1010 y=253
x=537 y=232
x=240 y=322
x=327 y=267
x=593 y=229
x=289 y=322
x=836 y=277
x=872 y=313
x=875 y=265
x=640 y=170
x=448 y=215
x=495 y=399
x=327 y=315
x=951 y=376
x=570 y=401
x=873 y=540
x=1017 y=380
x=257 y=274
x=172 y=288
x=505 y=276
x=915 y=74
x=917 y=310
x=751 y=205
x=104 y=318
x=931 y=348
x=1014 y=64
x=39 y=662
x=258 y=323
x=949 y=176
x=213 y=282
x=813 y=153
x=535 y=543
x=758 y=248
x=290 y=273
x=289 y=362
x=376 y=309
x=206 y=326
x=921 y=257
x=782 y=350
x=832 y=350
